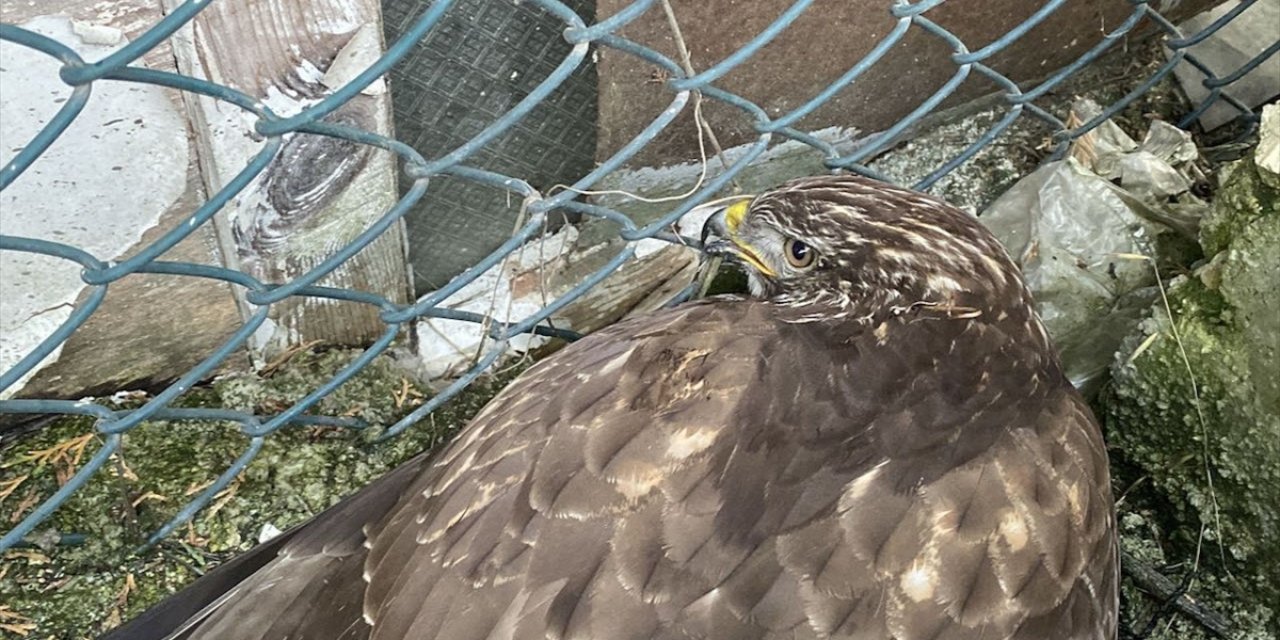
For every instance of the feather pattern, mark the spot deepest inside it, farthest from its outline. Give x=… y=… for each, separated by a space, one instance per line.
x=722 y=470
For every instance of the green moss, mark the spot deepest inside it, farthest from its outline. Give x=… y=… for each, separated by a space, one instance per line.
x=79 y=591
x=1242 y=199
x=1215 y=462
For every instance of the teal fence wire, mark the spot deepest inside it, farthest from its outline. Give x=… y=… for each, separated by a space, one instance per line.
x=98 y=274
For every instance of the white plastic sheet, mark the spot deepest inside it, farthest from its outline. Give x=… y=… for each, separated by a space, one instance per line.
x=1073 y=226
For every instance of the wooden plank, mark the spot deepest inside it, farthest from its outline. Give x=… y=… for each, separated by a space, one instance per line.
x=318 y=193
x=149 y=329
x=639 y=286
x=545 y=269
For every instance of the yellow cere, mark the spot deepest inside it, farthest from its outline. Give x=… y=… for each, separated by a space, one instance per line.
x=734 y=214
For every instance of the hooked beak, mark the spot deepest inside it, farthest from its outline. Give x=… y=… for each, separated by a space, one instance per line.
x=715 y=234
x=720 y=238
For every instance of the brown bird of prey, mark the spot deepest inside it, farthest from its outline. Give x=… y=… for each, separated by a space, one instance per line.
x=877 y=443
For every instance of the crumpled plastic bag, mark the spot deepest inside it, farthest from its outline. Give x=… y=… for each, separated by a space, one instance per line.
x=1075 y=225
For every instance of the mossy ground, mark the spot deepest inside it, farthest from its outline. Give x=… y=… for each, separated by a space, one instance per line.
x=75 y=591
x=1146 y=536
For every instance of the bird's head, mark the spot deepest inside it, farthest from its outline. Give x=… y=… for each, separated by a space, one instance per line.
x=851 y=247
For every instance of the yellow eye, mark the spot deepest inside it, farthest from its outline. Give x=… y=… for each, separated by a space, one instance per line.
x=799 y=254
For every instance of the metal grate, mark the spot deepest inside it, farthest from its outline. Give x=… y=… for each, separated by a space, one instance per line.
x=580 y=36
x=484 y=56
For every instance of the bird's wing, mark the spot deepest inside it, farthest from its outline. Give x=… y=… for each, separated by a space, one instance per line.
x=521 y=528
x=709 y=472
x=713 y=473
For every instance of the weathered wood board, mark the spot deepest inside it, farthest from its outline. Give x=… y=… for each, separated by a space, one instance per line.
x=319 y=193
x=159 y=154
x=547 y=268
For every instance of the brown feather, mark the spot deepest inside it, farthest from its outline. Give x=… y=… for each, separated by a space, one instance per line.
x=741 y=468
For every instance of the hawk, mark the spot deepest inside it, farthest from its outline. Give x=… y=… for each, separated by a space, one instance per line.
x=877 y=443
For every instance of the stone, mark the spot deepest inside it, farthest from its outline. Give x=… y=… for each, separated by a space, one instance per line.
x=1195 y=399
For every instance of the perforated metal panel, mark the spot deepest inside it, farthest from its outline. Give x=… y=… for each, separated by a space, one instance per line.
x=483 y=58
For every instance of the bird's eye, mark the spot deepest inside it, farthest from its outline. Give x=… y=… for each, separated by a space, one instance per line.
x=799 y=254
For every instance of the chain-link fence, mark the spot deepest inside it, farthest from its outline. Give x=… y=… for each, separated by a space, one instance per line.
x=98 y=274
